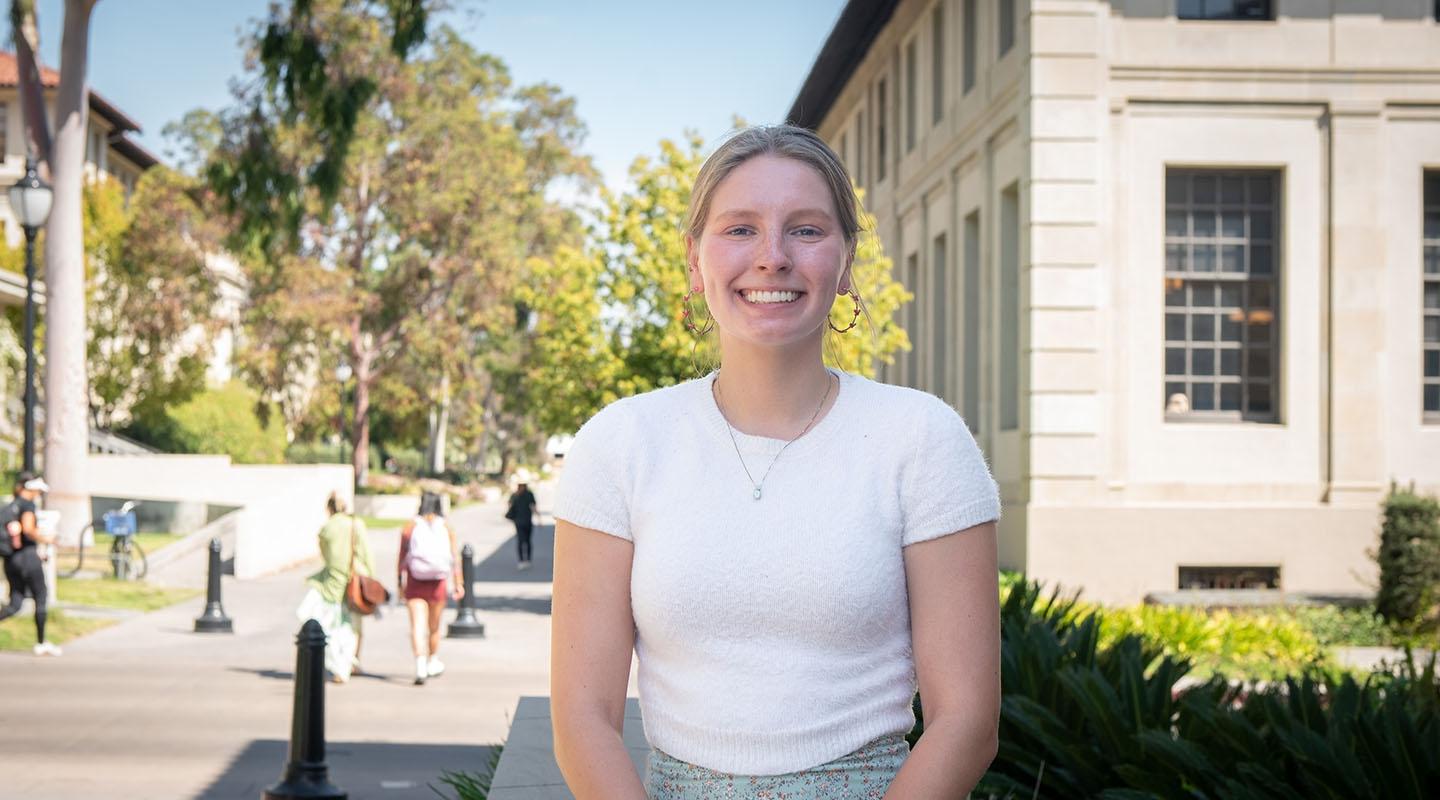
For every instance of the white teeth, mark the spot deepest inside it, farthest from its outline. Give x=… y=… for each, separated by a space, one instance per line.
x=772 y=297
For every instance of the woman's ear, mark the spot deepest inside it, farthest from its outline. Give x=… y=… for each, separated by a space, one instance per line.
x=692 y=263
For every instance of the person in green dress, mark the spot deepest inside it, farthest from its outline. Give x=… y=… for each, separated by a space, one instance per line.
x=325 y=600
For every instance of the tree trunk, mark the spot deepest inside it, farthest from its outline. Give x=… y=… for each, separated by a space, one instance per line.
x=361 y=462
x=32 y=94
x=67 y=425
x=439 y=423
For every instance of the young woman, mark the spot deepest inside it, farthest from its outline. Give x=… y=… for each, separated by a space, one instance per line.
x=788 y=549
x=324 y=602
x=429 y=554
x=25 y=567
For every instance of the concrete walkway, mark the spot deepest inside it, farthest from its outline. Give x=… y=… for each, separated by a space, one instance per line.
x=148 y=709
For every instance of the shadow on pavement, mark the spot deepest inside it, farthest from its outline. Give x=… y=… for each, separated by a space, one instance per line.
x=366 y=770
x=529 y=605
x=500 y=565
x=283 y=675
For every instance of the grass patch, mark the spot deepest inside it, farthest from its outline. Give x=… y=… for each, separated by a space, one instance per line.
x=18 y=632
x=131 y=595
x=381 y=523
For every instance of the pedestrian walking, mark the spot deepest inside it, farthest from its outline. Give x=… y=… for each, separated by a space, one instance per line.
x=789 y=549
x=24 y=562
x=429 y=555
x=522 y=512
x=345 y=550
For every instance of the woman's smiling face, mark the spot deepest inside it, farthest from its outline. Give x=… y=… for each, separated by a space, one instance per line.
x=772 y=254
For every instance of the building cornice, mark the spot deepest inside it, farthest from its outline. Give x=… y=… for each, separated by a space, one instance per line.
x=859 y=25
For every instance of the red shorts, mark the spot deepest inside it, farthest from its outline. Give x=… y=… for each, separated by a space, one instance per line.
x=429 y=591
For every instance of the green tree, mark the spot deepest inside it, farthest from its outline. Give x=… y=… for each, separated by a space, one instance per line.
x=442 y=199
x=609 y=314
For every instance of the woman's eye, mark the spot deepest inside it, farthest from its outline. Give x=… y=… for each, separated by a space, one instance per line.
x=737 y=230
x=808 y=230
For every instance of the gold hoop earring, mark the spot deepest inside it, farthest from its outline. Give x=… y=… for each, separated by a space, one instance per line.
x=855 y=318
x=685 y=316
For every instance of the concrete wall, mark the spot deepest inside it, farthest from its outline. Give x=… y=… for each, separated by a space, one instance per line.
x=281 y=508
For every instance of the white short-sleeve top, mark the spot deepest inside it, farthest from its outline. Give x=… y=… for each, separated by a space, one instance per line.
x=773 y=635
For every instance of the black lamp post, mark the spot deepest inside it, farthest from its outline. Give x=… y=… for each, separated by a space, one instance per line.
x=30 y=200
x=342 y=374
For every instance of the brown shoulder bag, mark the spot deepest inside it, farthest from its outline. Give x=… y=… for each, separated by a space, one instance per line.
x=364 y=594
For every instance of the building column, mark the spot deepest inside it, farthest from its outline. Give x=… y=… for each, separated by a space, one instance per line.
x=1354 y=346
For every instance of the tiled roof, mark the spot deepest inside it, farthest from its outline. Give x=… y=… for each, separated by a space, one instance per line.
x=50 y=79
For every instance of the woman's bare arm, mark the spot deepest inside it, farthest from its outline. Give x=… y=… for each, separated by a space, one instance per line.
x=955 y=624
x=592 y=637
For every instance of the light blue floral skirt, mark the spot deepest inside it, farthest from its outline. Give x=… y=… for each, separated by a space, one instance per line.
x=862 y=775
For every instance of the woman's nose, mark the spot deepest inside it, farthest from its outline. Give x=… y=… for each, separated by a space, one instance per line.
x=774 y=255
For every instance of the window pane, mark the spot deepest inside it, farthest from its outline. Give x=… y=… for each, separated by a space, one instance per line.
x=1432 y=296
x=1230 y=365
x=1177 y=188
x=1262 y=259
x=1203 y=397
x=1432 y=224
x=1260 y=327
x=1261 y=191
x=1432 y=261
x=1232 y=258
x=1202 y=328
x=1177 y=223
x=1432 y=329
x=1202 y=362
x=1432 y=397
x=1176 y=401
x=1432 y=363
x=1230 y=326
x=1205 y=188
x=1259 y=363
x=1174 y=361
x=1260 y=294
x=1260 y=398
x=1202 y=293
x=1229 y=397
x=1204 y=225
x=1202 y=259
x=1174 y=292
x=1175 y=257
x=1260 y=227
x=1175 y=327
x=1230 y=295
x=1232 y=190
x=1232 y=224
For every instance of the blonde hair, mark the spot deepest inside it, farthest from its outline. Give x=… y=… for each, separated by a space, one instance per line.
x=785 y=141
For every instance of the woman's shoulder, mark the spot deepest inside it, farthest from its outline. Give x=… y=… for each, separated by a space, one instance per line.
x=652 y=406
x=898 y=405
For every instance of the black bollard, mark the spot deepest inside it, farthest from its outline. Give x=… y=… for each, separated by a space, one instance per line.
x=306 y=775
x=214 y=619
x=465 y=625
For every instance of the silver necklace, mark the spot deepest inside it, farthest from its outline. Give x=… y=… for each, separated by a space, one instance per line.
x=760 y=485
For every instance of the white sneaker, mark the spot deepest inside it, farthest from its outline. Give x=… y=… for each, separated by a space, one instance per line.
x=524 y=565
x=435 y=667
x=421 y=672
x=46 y=649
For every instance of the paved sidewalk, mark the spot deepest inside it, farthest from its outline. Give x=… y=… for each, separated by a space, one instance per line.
x=148 y=709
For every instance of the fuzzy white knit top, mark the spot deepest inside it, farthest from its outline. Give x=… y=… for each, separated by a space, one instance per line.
x=773 y=635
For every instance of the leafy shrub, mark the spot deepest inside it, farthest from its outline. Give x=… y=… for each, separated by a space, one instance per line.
x=1254 y=644
x=1086 y=715
x=324 y=453
x=219 y=421
x=1351 y=627
x=1409 y=559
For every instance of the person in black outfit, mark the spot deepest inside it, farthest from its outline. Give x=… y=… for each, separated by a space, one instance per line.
x=522 y=513
x=24 y=569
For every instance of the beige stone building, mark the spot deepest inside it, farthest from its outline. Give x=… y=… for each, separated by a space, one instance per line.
x=1177 y=262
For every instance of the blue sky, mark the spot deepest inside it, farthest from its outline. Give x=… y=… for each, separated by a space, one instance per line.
x=641 y=70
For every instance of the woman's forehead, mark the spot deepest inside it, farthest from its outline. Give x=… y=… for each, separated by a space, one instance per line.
x=768 y=181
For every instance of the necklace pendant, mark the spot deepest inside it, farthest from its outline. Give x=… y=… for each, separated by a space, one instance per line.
x=756 y=494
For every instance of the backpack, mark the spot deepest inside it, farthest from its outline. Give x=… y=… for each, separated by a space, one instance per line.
x=429 y=558
x=10 y=513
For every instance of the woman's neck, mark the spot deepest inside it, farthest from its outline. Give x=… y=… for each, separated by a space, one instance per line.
x=775 y=398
